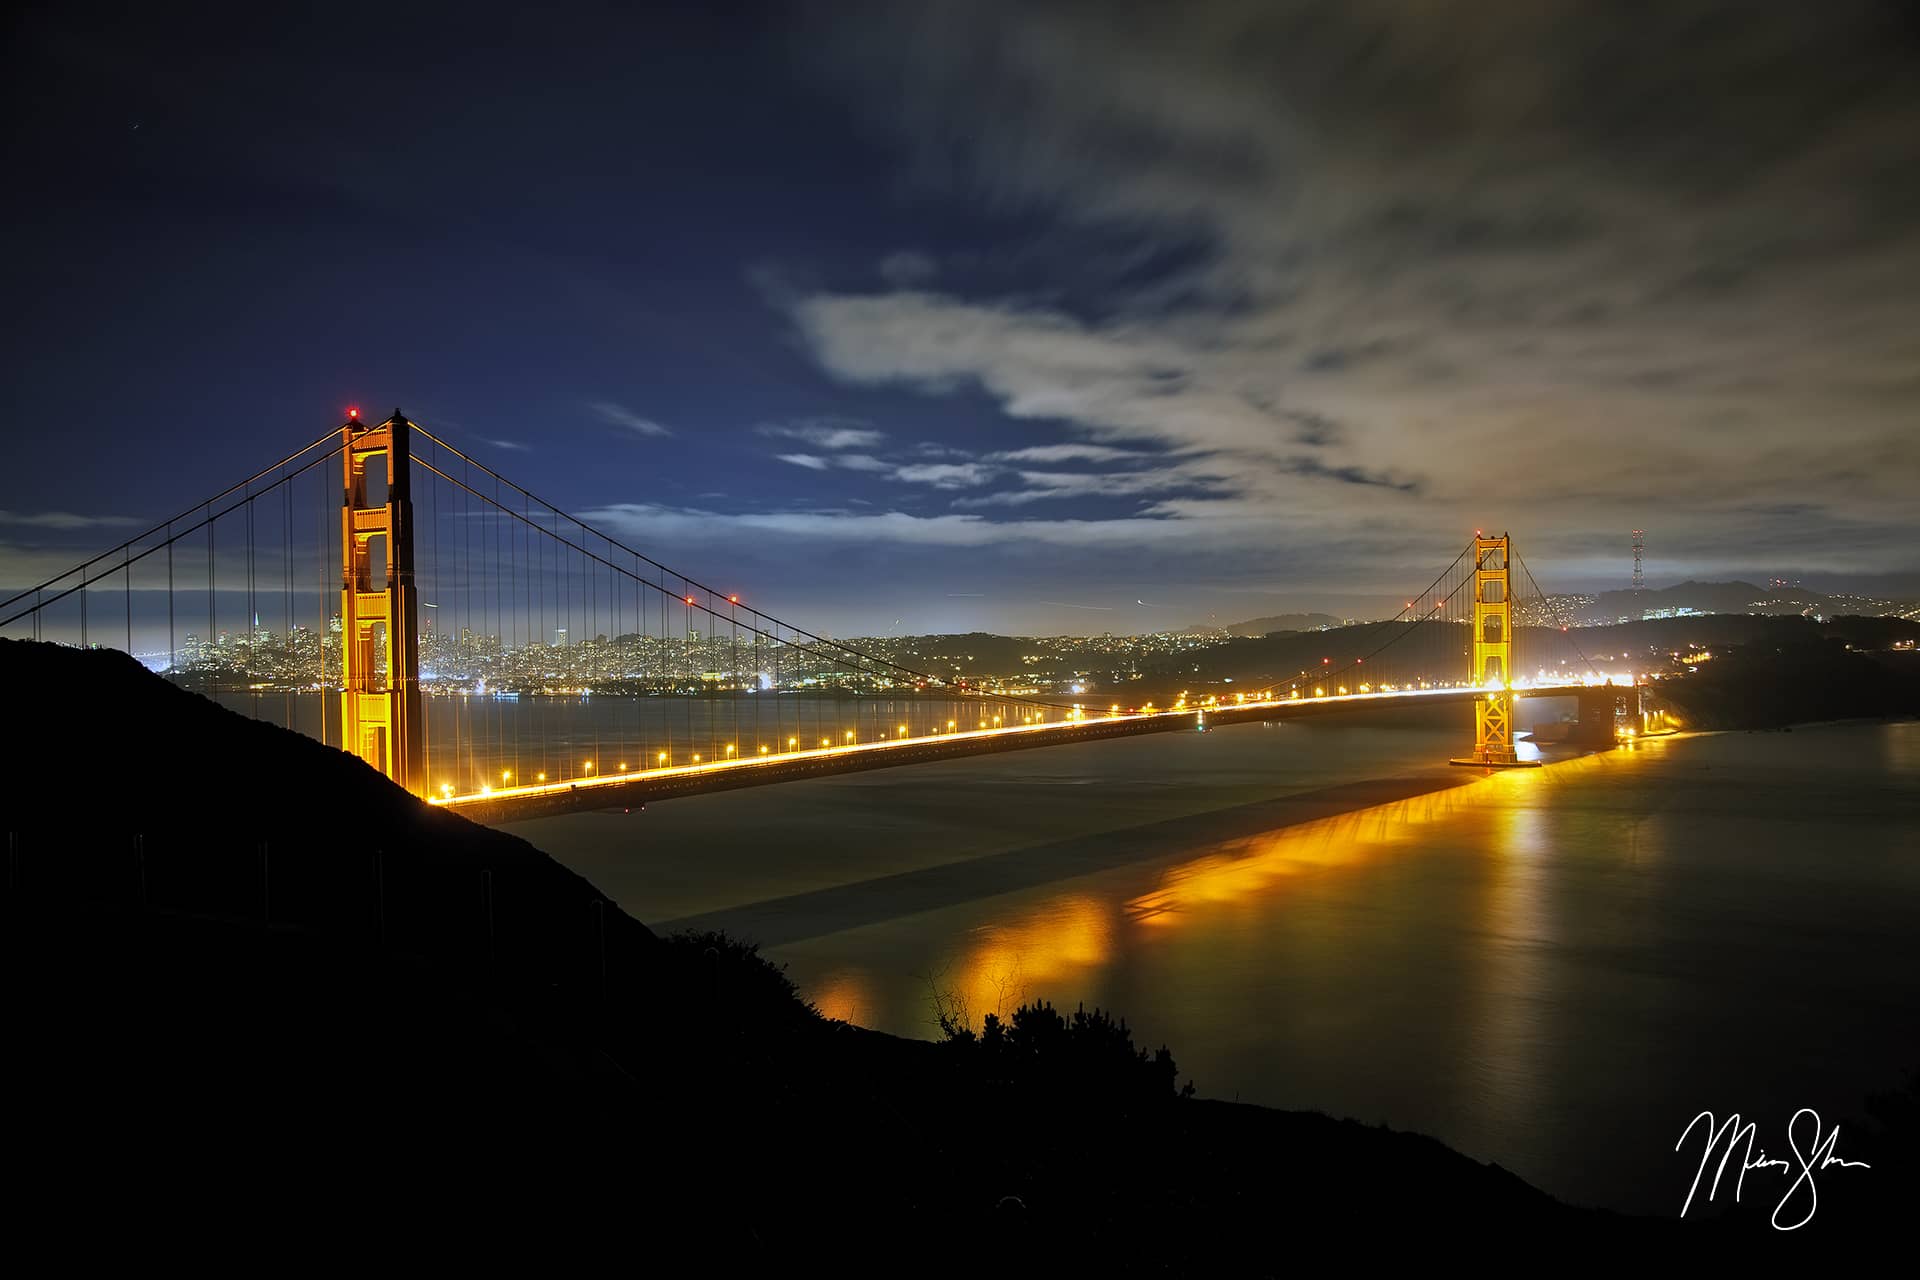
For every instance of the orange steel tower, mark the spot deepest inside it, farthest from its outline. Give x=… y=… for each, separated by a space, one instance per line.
x=380 y=715
x=1492 y=654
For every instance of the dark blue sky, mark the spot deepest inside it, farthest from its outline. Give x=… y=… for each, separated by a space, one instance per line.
x=964 y=314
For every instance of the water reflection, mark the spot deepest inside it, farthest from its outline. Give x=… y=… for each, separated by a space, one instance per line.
x=1506 y=1042
x=1550 y=968
x=844 y=994
x=1256 y=867
x=1050 y=951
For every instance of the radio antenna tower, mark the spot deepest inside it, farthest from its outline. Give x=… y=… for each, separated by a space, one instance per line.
x=1639 y=550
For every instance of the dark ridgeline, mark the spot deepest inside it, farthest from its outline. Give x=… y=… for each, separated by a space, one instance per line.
x=1791 y=673
x=1275 y=657
x=259 y=992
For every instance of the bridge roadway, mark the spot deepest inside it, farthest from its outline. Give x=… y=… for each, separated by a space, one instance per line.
x=630 y=790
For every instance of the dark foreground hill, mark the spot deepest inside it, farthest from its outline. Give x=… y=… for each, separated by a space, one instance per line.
x=259 y=998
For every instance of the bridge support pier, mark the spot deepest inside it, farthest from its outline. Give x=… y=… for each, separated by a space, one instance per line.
x=381 y=720
x=1493 y=658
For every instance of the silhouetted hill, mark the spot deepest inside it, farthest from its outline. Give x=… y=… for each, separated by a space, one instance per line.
x=1282 y=622
x=1276 y=660
x=1727 y=597
x=263 y=998
x=1810 y=677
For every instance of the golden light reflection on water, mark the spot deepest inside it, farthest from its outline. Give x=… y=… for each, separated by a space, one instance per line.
x=843 y=995
x=1056 y=946
x=1515 y=920
x=1259 y=865
x=1487 y=963
x=1901 y=744
x=1049 y=950
x=1061 y=944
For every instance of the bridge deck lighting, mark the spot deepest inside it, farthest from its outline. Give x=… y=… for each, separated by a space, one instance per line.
x=540 y=777
x=623 y=766
x=663 y=757
x=730 y=748
x=506 y=775
x=696 y=757
x=763 y=749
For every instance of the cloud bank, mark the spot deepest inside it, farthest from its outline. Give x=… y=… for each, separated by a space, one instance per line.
x=1363 y=268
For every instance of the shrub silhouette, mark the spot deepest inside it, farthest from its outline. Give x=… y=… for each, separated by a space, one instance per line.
x=1039 y=1048
x=717 y=977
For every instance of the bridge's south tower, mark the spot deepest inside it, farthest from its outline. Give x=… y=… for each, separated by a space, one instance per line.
x=1492 y=652
x=380 y=714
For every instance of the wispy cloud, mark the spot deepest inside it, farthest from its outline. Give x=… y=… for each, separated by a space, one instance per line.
x=65 y=520
x=1191 y=476
x=512 y=446
x=621 y=416
x=1051 y=453
x=826 y=432
x=944 y=475
x=940 y=475
x=667 y=524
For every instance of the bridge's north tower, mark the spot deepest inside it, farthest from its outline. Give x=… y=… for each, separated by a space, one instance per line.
x=1492 y=653
x=380 y=714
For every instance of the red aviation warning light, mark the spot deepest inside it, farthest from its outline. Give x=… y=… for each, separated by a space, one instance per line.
x=733 y=599
x=689 y=599
x=353 y=413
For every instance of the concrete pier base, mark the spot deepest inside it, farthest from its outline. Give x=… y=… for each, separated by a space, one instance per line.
x=1469 y=763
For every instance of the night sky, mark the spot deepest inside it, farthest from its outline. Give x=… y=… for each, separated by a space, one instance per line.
x=1027 y=317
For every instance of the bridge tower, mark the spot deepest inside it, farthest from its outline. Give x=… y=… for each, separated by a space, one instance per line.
x=380 y=715
x=1492 y=654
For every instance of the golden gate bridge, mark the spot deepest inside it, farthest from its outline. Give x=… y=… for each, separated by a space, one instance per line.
x=494 y=655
